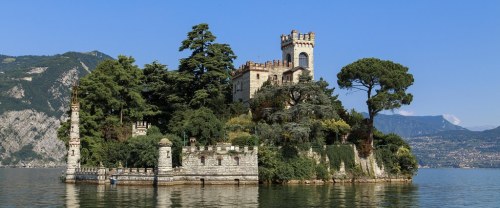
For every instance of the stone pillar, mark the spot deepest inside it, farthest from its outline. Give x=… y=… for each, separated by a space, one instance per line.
x=101 y=174
x=164 y=175
x=165 y=156
x=74 y=142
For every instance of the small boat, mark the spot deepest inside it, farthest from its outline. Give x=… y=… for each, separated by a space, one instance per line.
x=113 y=180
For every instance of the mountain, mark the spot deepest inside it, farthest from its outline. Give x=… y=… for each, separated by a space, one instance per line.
x=480 y=128
x=438 y=143
x=34 y=97
x=459 y=148
x=411 y=126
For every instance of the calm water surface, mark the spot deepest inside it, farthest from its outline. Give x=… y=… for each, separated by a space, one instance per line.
x=431 y=188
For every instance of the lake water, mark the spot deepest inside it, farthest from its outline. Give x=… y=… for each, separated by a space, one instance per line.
x=431 y=188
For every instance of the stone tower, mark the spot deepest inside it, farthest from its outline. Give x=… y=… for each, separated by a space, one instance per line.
x=165 y=156
x=299 y=49
x=74 y=138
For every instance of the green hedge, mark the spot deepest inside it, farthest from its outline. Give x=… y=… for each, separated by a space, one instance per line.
x=338 y=153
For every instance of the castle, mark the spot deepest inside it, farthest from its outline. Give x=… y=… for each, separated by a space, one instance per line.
x=219 y=164
x=297 y=56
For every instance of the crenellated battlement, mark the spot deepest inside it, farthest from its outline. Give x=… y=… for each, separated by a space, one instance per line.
x=140 y=128
x=298 y=38
x=87 y=170
x=267 y=66
x=220 y=149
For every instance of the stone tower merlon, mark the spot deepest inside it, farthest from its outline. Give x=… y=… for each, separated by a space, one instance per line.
x=299 y=49
x=140 y=128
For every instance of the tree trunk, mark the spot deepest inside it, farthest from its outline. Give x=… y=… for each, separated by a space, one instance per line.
x=370 y=128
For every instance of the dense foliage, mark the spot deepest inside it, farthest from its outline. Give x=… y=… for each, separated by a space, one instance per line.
x=394 y=154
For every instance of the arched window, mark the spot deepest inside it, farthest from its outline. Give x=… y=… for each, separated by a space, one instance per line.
x=288 y=58
x=72 y=152
x=202 y=160
x=237 y=159
x=219 y=161
x=275 y=78
x=258 y=76
x=303 y=60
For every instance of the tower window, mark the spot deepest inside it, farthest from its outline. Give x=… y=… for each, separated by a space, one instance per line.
x=202 y=160
x=219 y=162
x=72 y=152
x=303 y=60
x=258 y=76
x=288 y=58
x=237 y=159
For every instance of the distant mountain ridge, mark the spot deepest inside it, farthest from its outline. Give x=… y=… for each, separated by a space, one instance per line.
x=459 y=148
x=411 y=126
x=34 y=97
x=438 y=143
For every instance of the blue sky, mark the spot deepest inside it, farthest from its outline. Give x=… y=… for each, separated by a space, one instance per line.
x=452 y=47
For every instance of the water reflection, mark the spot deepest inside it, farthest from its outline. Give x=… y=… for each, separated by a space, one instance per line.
x=335 y=195
x=72 y=196
x=431 y=188
x=165 y=196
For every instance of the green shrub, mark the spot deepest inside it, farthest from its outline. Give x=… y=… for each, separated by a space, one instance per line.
x=322 y=172
x=394 y=154
x=246 y=141
x=338 y=153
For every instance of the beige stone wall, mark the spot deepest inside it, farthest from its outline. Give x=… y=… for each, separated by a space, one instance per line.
x=241 y=88
x=250 y=77
x=229 y=169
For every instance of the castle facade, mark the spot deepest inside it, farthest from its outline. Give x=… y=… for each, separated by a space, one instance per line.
x=297 y=56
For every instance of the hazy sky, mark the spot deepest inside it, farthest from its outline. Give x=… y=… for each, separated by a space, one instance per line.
x=451 y=47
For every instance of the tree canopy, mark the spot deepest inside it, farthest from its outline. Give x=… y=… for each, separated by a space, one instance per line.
x=294 y=113
x=384 y=82
x=205 y=74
